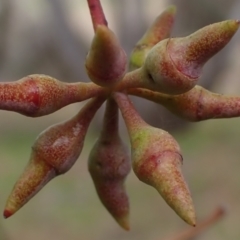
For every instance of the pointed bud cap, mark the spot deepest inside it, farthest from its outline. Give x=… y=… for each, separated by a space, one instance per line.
x=174 y=65
x=106 y=62
x=113 y=196
x=189 y=54
x=163 y=172
x=195 y=105
x=157 y=161
x=109 y=165
x=160 y=29
x=36 y=175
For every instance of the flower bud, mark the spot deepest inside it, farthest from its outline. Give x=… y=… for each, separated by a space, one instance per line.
x=159 y=30
x=106 y=62
x=157 y=160
x=53 y=153
x=174 y=66
x=109 y=165
x=195 y=105
x=36 y=175
x=39 y=95
x=189 y=54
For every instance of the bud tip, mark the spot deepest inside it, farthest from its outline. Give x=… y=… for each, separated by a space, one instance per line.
x=191 y=220
x=234 y=24
x=171 y=9
x=124 y=223
x=7 y=213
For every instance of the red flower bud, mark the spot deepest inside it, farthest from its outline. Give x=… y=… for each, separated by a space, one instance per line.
x=175 y=65
x=195 y=105
x=109 y=165
x=189 y=54
x=106 y=62
x=39 y=95
x=157 y=160
x=53 y=153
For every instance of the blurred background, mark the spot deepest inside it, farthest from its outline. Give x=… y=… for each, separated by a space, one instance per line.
x=52 y=37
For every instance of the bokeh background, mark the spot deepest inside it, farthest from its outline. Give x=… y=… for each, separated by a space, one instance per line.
x=52 y=37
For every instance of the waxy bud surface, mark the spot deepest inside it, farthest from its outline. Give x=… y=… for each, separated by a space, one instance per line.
x=109 y=165
x=53 y=153
x=195 y=105
x=174 y=65
x=160 y=29
x=106 y=62
x=166 y=71
x=157 y=160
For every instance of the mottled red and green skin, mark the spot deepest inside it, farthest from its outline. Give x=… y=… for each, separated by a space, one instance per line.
x=157 y=160
x=39 y=95
x=61 y=144
x=196 y=105
x=161 y=73
x=106 y=62
x=53 y=153
x=159 y=30
x=36 y=175
x=174 y=65
x=109 y=164
x=190 y=53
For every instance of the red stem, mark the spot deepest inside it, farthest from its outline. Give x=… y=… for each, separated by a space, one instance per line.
x=110 y=122
x=97 y=14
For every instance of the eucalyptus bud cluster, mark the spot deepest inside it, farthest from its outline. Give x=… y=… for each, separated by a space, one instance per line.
x=162 y=69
